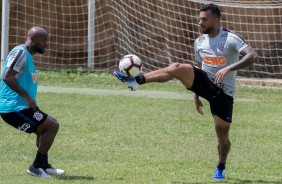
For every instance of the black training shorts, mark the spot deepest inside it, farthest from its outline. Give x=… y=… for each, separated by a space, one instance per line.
x=221 y=104
x=26 y=120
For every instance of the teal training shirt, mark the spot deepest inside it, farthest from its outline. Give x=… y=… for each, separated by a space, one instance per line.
x=20 y=60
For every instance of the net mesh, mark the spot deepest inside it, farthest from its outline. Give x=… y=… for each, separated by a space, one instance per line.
x=159 y=32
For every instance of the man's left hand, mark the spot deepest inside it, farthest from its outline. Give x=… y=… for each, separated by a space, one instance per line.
x=219 y=76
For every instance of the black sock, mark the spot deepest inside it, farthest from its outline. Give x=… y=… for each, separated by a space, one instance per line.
x=140 y=79
x=221 y=165
x=40 y=160
x=46 y=163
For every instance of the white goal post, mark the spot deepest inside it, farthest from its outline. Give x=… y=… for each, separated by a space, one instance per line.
x=94 y=34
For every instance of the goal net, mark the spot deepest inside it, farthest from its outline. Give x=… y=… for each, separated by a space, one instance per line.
x=94 y=34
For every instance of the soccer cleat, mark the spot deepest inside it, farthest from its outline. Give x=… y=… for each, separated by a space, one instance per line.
x=52 y=171
x=219 y=174
x=39 y=172
x=131 y=82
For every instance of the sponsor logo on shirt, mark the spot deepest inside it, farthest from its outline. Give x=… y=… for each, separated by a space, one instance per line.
x=214 y=61
x=34 y=77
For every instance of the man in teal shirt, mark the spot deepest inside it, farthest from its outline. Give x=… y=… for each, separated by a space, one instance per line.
x=18 y=105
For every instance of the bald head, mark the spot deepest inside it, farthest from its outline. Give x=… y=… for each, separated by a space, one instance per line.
x=37 y=40
x=36 y=31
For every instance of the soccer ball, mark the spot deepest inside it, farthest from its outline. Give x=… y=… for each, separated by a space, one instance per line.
x=130 y=65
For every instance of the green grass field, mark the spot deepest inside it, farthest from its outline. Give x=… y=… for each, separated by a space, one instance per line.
x=111 y=135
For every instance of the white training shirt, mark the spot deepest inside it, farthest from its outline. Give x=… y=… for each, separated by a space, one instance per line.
x=219 y=52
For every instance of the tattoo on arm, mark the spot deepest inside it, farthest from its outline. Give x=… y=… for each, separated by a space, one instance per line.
x=249 y=57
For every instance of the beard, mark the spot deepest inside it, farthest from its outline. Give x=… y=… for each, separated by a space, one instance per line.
x=207 y=30
x=38 y=49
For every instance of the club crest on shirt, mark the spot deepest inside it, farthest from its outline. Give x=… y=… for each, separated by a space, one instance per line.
x=221 y=47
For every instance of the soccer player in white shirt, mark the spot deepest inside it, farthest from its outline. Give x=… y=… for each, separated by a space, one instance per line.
x=217 y=53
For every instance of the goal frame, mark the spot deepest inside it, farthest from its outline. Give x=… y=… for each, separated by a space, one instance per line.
x=5 y=31
x=90 y=39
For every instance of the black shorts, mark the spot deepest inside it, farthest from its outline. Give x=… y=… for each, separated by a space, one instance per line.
x=26 y=120
x=221 y=104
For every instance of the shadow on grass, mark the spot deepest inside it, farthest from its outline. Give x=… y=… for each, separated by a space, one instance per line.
x=71 y=178
x=80 y=178
x=255 y=181
x=231 y=180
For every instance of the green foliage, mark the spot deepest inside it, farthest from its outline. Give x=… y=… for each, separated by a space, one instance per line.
x=146 y=139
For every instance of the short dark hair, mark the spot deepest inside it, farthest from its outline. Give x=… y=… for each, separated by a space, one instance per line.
x=214 y=9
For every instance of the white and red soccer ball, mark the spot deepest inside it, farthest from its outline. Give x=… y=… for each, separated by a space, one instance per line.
x=130 y=65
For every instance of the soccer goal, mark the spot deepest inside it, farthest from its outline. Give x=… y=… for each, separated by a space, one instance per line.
x=94 y=34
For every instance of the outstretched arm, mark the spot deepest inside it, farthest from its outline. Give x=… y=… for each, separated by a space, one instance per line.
x=249 y=57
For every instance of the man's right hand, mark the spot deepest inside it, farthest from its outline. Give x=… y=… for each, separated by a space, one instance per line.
x=198 y=105
x=30 y=102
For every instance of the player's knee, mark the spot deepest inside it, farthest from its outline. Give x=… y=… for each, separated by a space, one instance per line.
x=222 y=132
x=174 y=68
x=50 y=124
x=54 y=124
x=183 y=72
x=223 y=139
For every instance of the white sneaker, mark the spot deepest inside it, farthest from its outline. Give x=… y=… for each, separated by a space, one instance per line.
x=52 y=171
x=39 y=172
